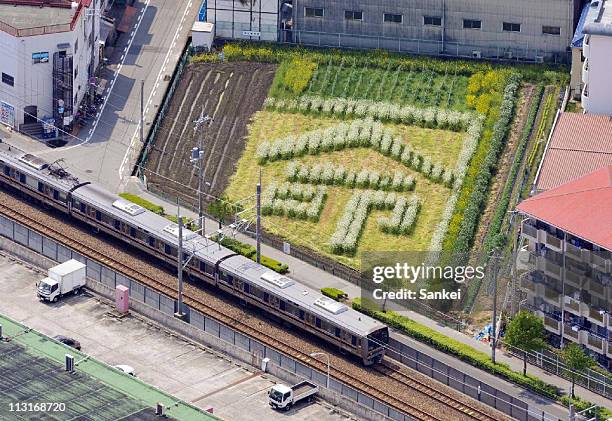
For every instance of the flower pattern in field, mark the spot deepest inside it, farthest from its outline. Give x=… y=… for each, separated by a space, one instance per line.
x=361 y=125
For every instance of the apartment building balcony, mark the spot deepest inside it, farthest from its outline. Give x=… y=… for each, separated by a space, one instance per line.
x=598 y=317
x=575 y=280
x=595 y=343
x=586 y=47
x=552 y=296
x=596 y=288
x=572 y=306
x=573 y=333
x=576 y=253
x=552 y=241
x=585 y=71
x=601 y=261
x=609 y=349
x=530 y=232
x=551 y=268
x=553 y=325
x=584 y=98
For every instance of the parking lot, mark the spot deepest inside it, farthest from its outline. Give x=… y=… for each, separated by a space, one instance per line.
x=187 y=370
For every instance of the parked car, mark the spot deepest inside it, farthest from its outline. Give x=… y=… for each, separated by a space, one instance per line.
x=68 y=341
x=127 y=369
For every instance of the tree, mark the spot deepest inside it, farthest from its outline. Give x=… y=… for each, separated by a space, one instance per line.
x=576 y=360
x=526 y=332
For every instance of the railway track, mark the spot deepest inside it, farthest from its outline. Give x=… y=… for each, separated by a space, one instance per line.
x=448 y=408
x=396 y=372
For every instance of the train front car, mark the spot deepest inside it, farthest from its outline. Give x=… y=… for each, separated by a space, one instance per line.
x=373 y=348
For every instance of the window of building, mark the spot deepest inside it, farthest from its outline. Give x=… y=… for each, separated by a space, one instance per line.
x=551 y=30
x=432 y=20
x=76 y=72
x=392 y=17
x=511 y=27
x=353 y=15
x=8 y=79
x=313 y=12
x=76 y=46
x=472 y=24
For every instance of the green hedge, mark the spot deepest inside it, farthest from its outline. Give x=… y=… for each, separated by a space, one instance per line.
x=599 y=413
x=475 y=187
x=494 y=236
x=250 y=251
x=334 y=293
x=143 y=202
x=462 y=351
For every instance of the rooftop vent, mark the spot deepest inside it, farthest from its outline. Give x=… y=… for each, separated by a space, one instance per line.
x=334 y=307
x=33 y=161
x=130 y=208
x=276 y=279
x=172 y=229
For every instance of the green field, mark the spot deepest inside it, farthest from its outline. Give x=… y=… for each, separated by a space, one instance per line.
x=269 y=125
x=404 y=85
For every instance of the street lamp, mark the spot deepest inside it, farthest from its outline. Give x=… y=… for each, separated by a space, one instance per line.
x=317 y=354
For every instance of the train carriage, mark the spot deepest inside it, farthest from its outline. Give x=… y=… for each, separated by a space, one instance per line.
x=208 y=261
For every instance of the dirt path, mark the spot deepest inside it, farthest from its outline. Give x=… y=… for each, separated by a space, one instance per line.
x=230 y=93
x=505 y=163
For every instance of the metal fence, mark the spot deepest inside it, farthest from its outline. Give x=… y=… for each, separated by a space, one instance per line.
x=159 y=117
x=551 y=362
x=520 y=52
x=168 y=305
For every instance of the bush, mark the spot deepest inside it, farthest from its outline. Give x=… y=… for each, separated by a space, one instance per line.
x=334 y=293
x=250 y=252
x=494 y=237
x=475 y=187
x=464 y=352
x=143 y=202
x=599 y=413
x=273 y=264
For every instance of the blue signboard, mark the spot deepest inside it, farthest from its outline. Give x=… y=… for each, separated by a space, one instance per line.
x=42 y=57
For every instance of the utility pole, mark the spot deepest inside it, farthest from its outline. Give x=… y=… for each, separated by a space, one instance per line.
x=197 y=154
x=92 y=65
x=494 y=275
x=258 y=227
x=179 y=313
x=142 y=112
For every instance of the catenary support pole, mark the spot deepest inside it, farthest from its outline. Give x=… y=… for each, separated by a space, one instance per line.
x=142 y=112
x=494 y=336
x=179 y=311
x=258 y=227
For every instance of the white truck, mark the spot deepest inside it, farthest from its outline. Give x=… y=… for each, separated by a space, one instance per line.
x=284 y=397
x=61 y=280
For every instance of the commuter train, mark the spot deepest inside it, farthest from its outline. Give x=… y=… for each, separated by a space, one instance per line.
x=211 y=263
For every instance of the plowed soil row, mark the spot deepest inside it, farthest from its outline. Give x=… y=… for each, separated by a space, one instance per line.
x=229 y=93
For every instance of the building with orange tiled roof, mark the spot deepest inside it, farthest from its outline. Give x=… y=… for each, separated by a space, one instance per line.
x=568 y=236
x=579 y=144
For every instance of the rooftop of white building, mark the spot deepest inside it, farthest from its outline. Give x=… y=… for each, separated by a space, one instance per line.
x=37 y=17
x=599 y=19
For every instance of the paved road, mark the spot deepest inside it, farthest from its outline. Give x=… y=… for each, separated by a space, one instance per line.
x=149 y=53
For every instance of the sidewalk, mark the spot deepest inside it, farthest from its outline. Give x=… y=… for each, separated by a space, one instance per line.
x=317 y=278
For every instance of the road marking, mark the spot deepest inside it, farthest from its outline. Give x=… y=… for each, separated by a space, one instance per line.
x=126 y=157
x=108 y=94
